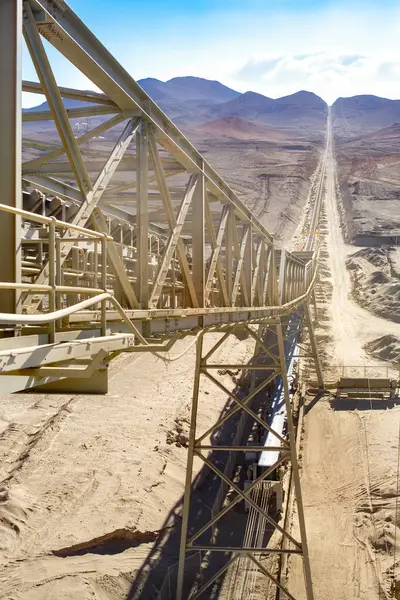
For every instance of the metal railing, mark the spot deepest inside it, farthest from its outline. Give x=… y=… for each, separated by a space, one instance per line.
x=55 y=290
x=279 y=290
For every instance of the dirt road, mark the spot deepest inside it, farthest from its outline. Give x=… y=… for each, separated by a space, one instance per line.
x=351 y=325
x=349 y=454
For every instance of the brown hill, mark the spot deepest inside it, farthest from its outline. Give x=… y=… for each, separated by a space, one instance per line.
x=242 y=129
x=383 y=142
x=300 y=111
x=352 y=117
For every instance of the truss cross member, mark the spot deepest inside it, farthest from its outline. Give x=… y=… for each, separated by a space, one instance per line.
x=314 y=347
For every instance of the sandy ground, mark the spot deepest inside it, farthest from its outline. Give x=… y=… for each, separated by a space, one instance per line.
x=349 y=484
x=76 y=468
x=369 y=176
x=349 y=450
x=375 y=278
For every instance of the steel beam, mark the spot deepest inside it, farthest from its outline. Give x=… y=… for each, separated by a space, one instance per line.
x=53 y=97
x=169 y=212
x=26 y=358
x=74 y=113
x=215 y=256
x=198 y=240
x=33 y=87
x=173 y=239
x=10 y=147
x=128 y=164
x=116 y=261
x=142 y=273
x=215 y=245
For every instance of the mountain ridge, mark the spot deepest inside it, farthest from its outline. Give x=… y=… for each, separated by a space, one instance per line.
x=191 y=101
x=363 y=114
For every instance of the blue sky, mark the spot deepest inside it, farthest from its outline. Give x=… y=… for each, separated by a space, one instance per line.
x=274 y=47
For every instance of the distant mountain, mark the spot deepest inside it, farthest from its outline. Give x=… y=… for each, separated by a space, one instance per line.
x=191 y=101
x=68 y=103
x=180 y=94
x=363 y=114
x=300 y=110
x=189 y=88
x=303 y=99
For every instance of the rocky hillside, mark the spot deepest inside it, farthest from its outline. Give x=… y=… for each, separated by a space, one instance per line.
x=359 y=115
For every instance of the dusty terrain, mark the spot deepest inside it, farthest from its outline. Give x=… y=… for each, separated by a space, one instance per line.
x=376 y=280
x=368 y=156
x=359 y=327
x=90 y=485
x=349 y=456
x=367 y=147
x=271 y=175
x=350 y=491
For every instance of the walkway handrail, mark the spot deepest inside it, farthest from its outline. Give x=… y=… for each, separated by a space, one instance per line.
x=31 y=216
x=18 y=319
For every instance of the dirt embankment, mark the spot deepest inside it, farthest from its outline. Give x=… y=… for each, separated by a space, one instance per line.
x=375 y=277
x=369 y=177
x=367 y=201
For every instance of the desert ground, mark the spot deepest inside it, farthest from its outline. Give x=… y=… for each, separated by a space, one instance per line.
x=91 y=486
x=349 y=449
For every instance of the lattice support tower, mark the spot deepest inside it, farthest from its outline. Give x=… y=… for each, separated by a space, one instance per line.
x=271 y=362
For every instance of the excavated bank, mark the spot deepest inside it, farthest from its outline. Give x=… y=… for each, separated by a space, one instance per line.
x=376 y=280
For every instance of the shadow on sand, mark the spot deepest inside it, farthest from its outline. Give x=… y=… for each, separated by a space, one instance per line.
x=205 y=486
x=364 y=403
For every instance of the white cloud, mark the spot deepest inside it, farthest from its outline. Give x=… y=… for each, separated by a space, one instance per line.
x=326 y=74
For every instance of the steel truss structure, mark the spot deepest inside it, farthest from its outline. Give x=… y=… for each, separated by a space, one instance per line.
x=183 y=252
x=117 y=235
x=271 y=363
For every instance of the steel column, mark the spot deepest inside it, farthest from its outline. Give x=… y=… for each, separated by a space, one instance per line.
x=10 y=147
x=189 y=470
x=314 y=347
x=295 y=469
x=196 y=448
